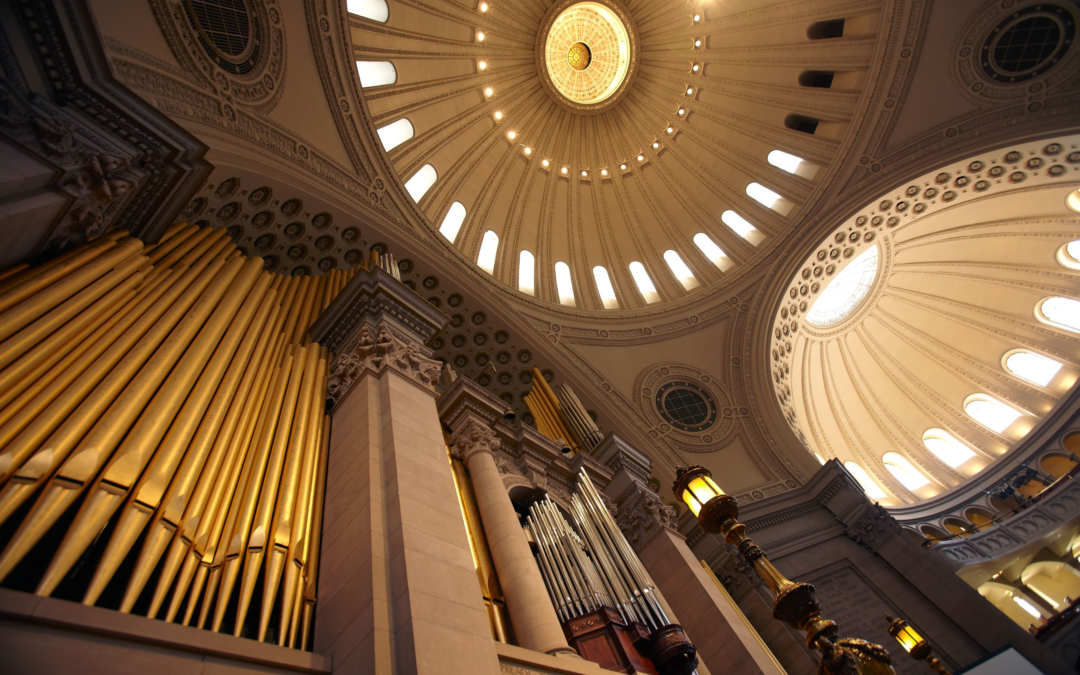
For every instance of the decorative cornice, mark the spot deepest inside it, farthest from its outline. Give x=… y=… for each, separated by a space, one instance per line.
x=470 y=438
x=375 y=349
x=642 y=516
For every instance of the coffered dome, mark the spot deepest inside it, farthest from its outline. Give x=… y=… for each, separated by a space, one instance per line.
x=933 y=329
x=611 y=156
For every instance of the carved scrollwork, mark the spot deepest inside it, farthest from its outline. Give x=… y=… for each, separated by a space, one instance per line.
x=640 y=518
x=873 y=527
x=375 y=350
x=470 y=438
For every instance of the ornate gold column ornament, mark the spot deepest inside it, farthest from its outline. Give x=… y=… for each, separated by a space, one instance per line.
x=914 y=644
x=794 y=603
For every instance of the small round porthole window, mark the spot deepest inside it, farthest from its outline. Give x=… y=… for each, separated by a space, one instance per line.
x=686 y=406
x=1028 y=43
x=228 y=31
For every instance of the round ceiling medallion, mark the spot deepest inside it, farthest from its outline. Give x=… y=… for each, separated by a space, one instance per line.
x=587 y=53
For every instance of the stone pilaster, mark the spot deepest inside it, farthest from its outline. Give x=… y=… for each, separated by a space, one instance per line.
x=397 y=587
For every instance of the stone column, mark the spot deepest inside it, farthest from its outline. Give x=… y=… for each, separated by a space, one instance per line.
x=470 y=412
x=397 y=589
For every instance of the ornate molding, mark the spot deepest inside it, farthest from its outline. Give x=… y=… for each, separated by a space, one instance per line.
x=642 y=516
x=873 y=527
x=375 y=350
x=471 y=438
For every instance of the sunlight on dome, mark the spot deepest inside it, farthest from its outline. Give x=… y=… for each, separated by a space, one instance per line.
x=421 y=182
x=376 y=73
x=785 y=161
x=742 y=227
x=451 y=223
x=395 y=133
x=713 y=252
x=1032 y=367
x=991 y=413
x=644 y=283
x=1061 y=312
x=489 y=246
x=868 y=485
x=376 y=10
x=844 y=293
x=527 y=273
x=680 y=270
x=903 y=471
x=604 y=288
x=564 y=283
x=946 y=447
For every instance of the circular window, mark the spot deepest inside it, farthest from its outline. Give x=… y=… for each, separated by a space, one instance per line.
x=1027 y=43
x=227 y=31
x=686 y=406
x=587 y=52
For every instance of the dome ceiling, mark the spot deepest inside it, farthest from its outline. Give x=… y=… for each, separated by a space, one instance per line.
x=654 y=165
x=932 y=330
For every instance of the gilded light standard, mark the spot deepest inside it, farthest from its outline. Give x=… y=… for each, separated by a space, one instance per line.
x=914 y=644
x=794 y=603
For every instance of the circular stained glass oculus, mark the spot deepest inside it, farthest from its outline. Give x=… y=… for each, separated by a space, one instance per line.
x=587 y=52
x=686 y=406
x=228 y=32
x=1027 y=43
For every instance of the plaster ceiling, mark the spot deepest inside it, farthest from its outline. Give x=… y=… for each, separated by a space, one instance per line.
x=711 y=90
x=966 y=254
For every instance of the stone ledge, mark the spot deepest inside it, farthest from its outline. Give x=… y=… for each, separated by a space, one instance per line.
x=85 y=622
x=514 y=660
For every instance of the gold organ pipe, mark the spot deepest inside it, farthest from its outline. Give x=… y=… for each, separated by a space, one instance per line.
x=167 y=246
x=295 y=306
x=146 y=408
x=186 y=247
x=153 y=482
x=311 y=569
x=304 y=313
x=5 y=275
x=38 y=278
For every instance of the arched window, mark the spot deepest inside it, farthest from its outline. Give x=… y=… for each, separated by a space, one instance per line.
x=564 y=283
x=1060 y=312
x=990 y=412
x=762 y=195
x=376 y=10
x=785 y=161
x=743 y=227
x=904 y=471
x=807 y=125
x=604 y=288
x=421 y=182
x=1032 y=367
x=489 y=247
x=1073 y=200
x=680 y=270
x=868 y=485
x=395 y=133
x=825 y=30
x=1069 y=254
x=527 y=273
x=644 y=283
x=819 y=79
x=376 y=73
x=452 y=221
x=713 y=252
x=946 y=447
x=846 y=291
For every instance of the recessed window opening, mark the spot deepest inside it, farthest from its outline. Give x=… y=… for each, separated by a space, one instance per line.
x=395 y=133
x=871 y=488
x=644 y=283
x=1073 y=200
x=846 y=291
x=713 y=252
x=807 y=125
x=990 y=412
x=819 y=79
x=451 y=223
x=527 y=273
x=604 y=288
x=680 y=270
x=376 y=10
x=792 y=164
x=1060 y=312
x=1069 y=255
x=376 y=73
x=489 y=247
x=1032 y=367
x=421 y=182
x=826 y=30
x=946 y=447
x=564 y=284
x=742 y=226
x=904 y=472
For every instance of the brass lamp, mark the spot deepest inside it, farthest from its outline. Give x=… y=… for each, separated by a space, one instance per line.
x=914 y=644
x=794 y=603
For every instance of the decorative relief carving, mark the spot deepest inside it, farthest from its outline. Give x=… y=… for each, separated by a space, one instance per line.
x=873 y=527
x=374 y=351
x=642 y=516
x=470 y=438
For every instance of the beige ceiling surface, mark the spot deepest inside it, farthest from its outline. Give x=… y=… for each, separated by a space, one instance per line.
x=965 y=256
x=746 y=85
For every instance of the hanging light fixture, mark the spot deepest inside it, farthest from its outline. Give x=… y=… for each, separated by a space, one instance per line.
x=914 y=644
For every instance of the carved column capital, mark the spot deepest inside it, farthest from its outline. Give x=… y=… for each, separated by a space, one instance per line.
x=642 y=515
x=472 y=436
x=377 y=348
x=873 y=527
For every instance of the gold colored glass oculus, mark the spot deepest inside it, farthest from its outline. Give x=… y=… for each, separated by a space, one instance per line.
x=587 y=52
x=579 y=56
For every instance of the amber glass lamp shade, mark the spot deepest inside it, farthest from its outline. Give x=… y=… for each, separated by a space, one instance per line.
x=696 y=487
x=904 y=634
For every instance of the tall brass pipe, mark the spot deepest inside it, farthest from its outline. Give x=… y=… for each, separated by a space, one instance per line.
x=146 y=408
x=306 y=308
x=311 y=569
x=295 y=306
x=151 y=484
x=167 y=246
x=36 y=279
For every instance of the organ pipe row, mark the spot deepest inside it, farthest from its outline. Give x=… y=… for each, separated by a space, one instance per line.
x=591 y=565
x=171 y=392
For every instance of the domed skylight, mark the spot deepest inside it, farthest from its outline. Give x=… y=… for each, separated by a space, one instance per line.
x=846 y=291
x=588 y=53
